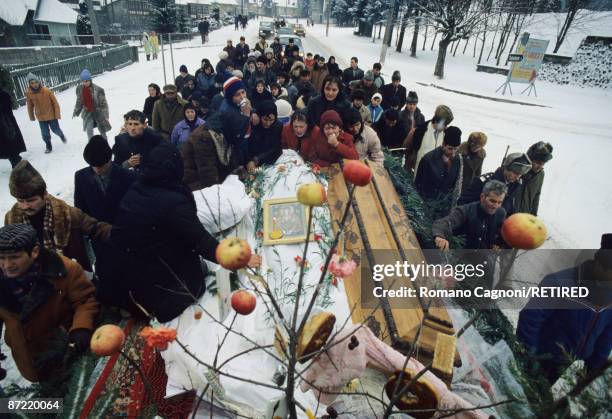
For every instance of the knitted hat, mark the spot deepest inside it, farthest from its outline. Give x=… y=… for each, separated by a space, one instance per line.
x=377 y=95
x=223 y=55
x=196 y=95
x=169 y=88
x=32 y=77
x=452 y=136
x=540 y=151
x=518 y=163
x=478 y=139
x=269 y=51
x=396 y=76
x=330 y=117
x=267 y=107
x=351 y=117
x=443 y=112
x=25 y=181
x=412 y=97
x=368 y=75
x=391 y=114
x=183 y=68
x=17 y=237
x=237 y=73
x=97 y=152
x=358 y=94
x=231 y=86
x=256 y=54
x=85 y=75
x=284 y=110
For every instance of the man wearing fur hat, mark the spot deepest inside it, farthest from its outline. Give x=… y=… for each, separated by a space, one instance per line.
x=43 y=105
x=473 y=154
x=168 y=111
x=426 y=136
x=59 y=227
x=99 y=188
x=91 y=104
x=514 y=166
x=539 y=153
x=42 y=295
x=439 y=174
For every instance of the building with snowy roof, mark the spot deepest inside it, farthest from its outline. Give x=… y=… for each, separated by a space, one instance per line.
x=36 y=23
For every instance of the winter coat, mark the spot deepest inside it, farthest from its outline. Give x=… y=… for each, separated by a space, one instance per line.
x=532 y=188
x=434 y=179
x=481 y=230
x=182 y=130
x=261 y=46
x=11 y=140
x=317 y=75
x=320 y=152
x=412 y=121
x=366 y=116
x=126 y=146
x=472 y=163
x=241 y=53
x=319 y=104
x=166 y=115
x=265 y=144
x=205 y=82
x=70 y=224
x=158 y=238
x=391 y=137
x=258 y=98
x=61 y=297
x=155 y=43
x=203 y=26
x=181 y=81
x=389 y=91
x=376 y=112
x=368 y=91
x=100 y=114
x=42 y=104
x=368 y=145
x=414 y=141
x=379 y=82
x=333 y=68
x=295 y=89
x=511 y=201
x=146 y=43
x=301 y=145
x=277 y=47
x=202 y=158
x=148 y=107
x=235 y=126
x=90 y=198
x=582 y=328
x=350 y=74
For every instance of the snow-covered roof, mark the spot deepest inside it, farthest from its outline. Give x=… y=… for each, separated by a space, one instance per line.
x=14 y=12
x=54 y=11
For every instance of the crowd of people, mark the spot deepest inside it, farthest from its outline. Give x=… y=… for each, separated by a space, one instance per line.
x=134 y=199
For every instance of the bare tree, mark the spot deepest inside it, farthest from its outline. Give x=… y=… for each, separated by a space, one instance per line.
x=415 y=35
x=455 y=19
x=572 y=10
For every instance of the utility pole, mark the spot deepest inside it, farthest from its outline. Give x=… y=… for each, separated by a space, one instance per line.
x=327 y=12
x=94 y=22
x=388 y=33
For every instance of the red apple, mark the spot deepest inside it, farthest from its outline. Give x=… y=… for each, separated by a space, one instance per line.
x=243 y=302
x=233 y=253
x=524 y=231
x=107 y=340
x=312 y=194
x=357 y=172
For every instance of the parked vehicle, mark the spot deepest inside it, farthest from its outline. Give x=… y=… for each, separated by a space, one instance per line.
x=266 y=29
x=285 y=30
x=298 y=29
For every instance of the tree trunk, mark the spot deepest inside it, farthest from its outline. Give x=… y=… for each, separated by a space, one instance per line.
x=456 y=47
x=425 y=36
x=573 y=7
x=442 y=46
x=493 y=40
x=415 y=35
x=393 y=17
x=379 y=30
x=434 y=40
x=484 y=40
x=466 y=44
x=400 y=38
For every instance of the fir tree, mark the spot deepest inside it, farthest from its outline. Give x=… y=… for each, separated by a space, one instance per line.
x=340 y=11
x=375 y=10
x=164 y=16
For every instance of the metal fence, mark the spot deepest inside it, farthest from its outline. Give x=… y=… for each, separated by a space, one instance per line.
x=62 y=74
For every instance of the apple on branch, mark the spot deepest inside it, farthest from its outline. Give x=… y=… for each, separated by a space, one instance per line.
x=243 y=302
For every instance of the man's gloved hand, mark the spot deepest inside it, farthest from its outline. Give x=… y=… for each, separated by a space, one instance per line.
x=78 y=339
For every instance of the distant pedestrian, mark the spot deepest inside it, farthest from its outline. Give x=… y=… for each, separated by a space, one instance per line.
x=154 y=44
x=148 y=47
x=43 y=105
x=236 y=22
x=203 y=27
x=92 y=106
